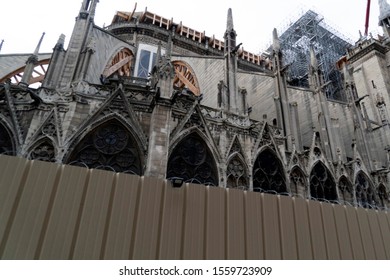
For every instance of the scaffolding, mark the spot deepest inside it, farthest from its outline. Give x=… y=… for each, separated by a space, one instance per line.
x=311 y=30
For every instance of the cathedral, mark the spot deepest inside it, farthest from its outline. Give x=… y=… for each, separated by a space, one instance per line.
x=152 y=97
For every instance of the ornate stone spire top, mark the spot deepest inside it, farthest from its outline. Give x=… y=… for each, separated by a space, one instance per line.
x=384 y=10
x=39 y=44
x=275 y=41
x=229 y=24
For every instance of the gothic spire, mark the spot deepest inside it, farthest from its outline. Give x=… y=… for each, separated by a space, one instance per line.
x=39 y=44
x=30 y=64
x=229 y=24
x=275 y=41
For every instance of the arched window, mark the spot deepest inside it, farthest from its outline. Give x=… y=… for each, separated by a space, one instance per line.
x=298 y=182
x=6 y=144
x=322 y=185
x=365 y=195
x=109 y=146
x=237 y=176
x=192 y=161
x=44 y=150
x=346 y=190
x=268 y=175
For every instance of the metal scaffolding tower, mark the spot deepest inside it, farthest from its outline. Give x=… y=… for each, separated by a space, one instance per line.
x=311 y=30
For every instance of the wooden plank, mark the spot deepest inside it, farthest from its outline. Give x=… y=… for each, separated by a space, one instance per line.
x=376 y=234
x=235 y=225
x=215 y=224
x=331 y=240
x=343 y=232
x=148 y=219
x=194 y=223
x=317 y=230
x=26 y=229
x=273 y=250
x=354 y=233
x=172 y=223
x=122 y=223
x=368 y=245
x=64 y=217
x=254 y=226
x=287 y=228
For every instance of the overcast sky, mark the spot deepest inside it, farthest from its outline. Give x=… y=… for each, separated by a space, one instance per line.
x=23 y=21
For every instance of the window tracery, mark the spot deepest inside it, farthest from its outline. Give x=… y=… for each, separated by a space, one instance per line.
x=44 y=151
x=237 y=176
x=322 y=185
x=192 y=161
x=268 y=174
x=365 y=196
x=298 y=184
x=346 y=190
x=110 y=146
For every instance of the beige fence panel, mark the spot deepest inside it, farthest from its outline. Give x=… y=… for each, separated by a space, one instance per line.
x=304 y=242
x=385 y=231
x=317 y=230
x=121 y=227
x=287 y=226
x=332 y=246
x=172 y=223
x=271 y=228
x=51 y=211
x=254 y=226
x=343 y=234
x=215 y=224
x=65 y=214
x=194 y=225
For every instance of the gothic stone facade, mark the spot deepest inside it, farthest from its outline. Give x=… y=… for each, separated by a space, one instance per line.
x=151 y=97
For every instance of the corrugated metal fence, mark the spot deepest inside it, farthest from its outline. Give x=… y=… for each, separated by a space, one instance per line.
x=51 y=211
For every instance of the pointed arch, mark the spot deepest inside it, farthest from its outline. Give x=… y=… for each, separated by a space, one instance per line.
x=192 y=160
x=185 y=77
x=237 y=173
x=365 y=194
x=43 y=150
x=298 y=182
x=120 y=63
x=345 y=190
x=7 y=146
x=322 y=184
x=268 y=173
x=110 y=146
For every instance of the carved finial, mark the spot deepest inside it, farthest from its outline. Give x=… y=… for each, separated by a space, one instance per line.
x=229 y=24
x=275 y=41
x=39 y=44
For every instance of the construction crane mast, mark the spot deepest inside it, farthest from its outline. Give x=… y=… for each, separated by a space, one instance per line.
x=367 y=17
